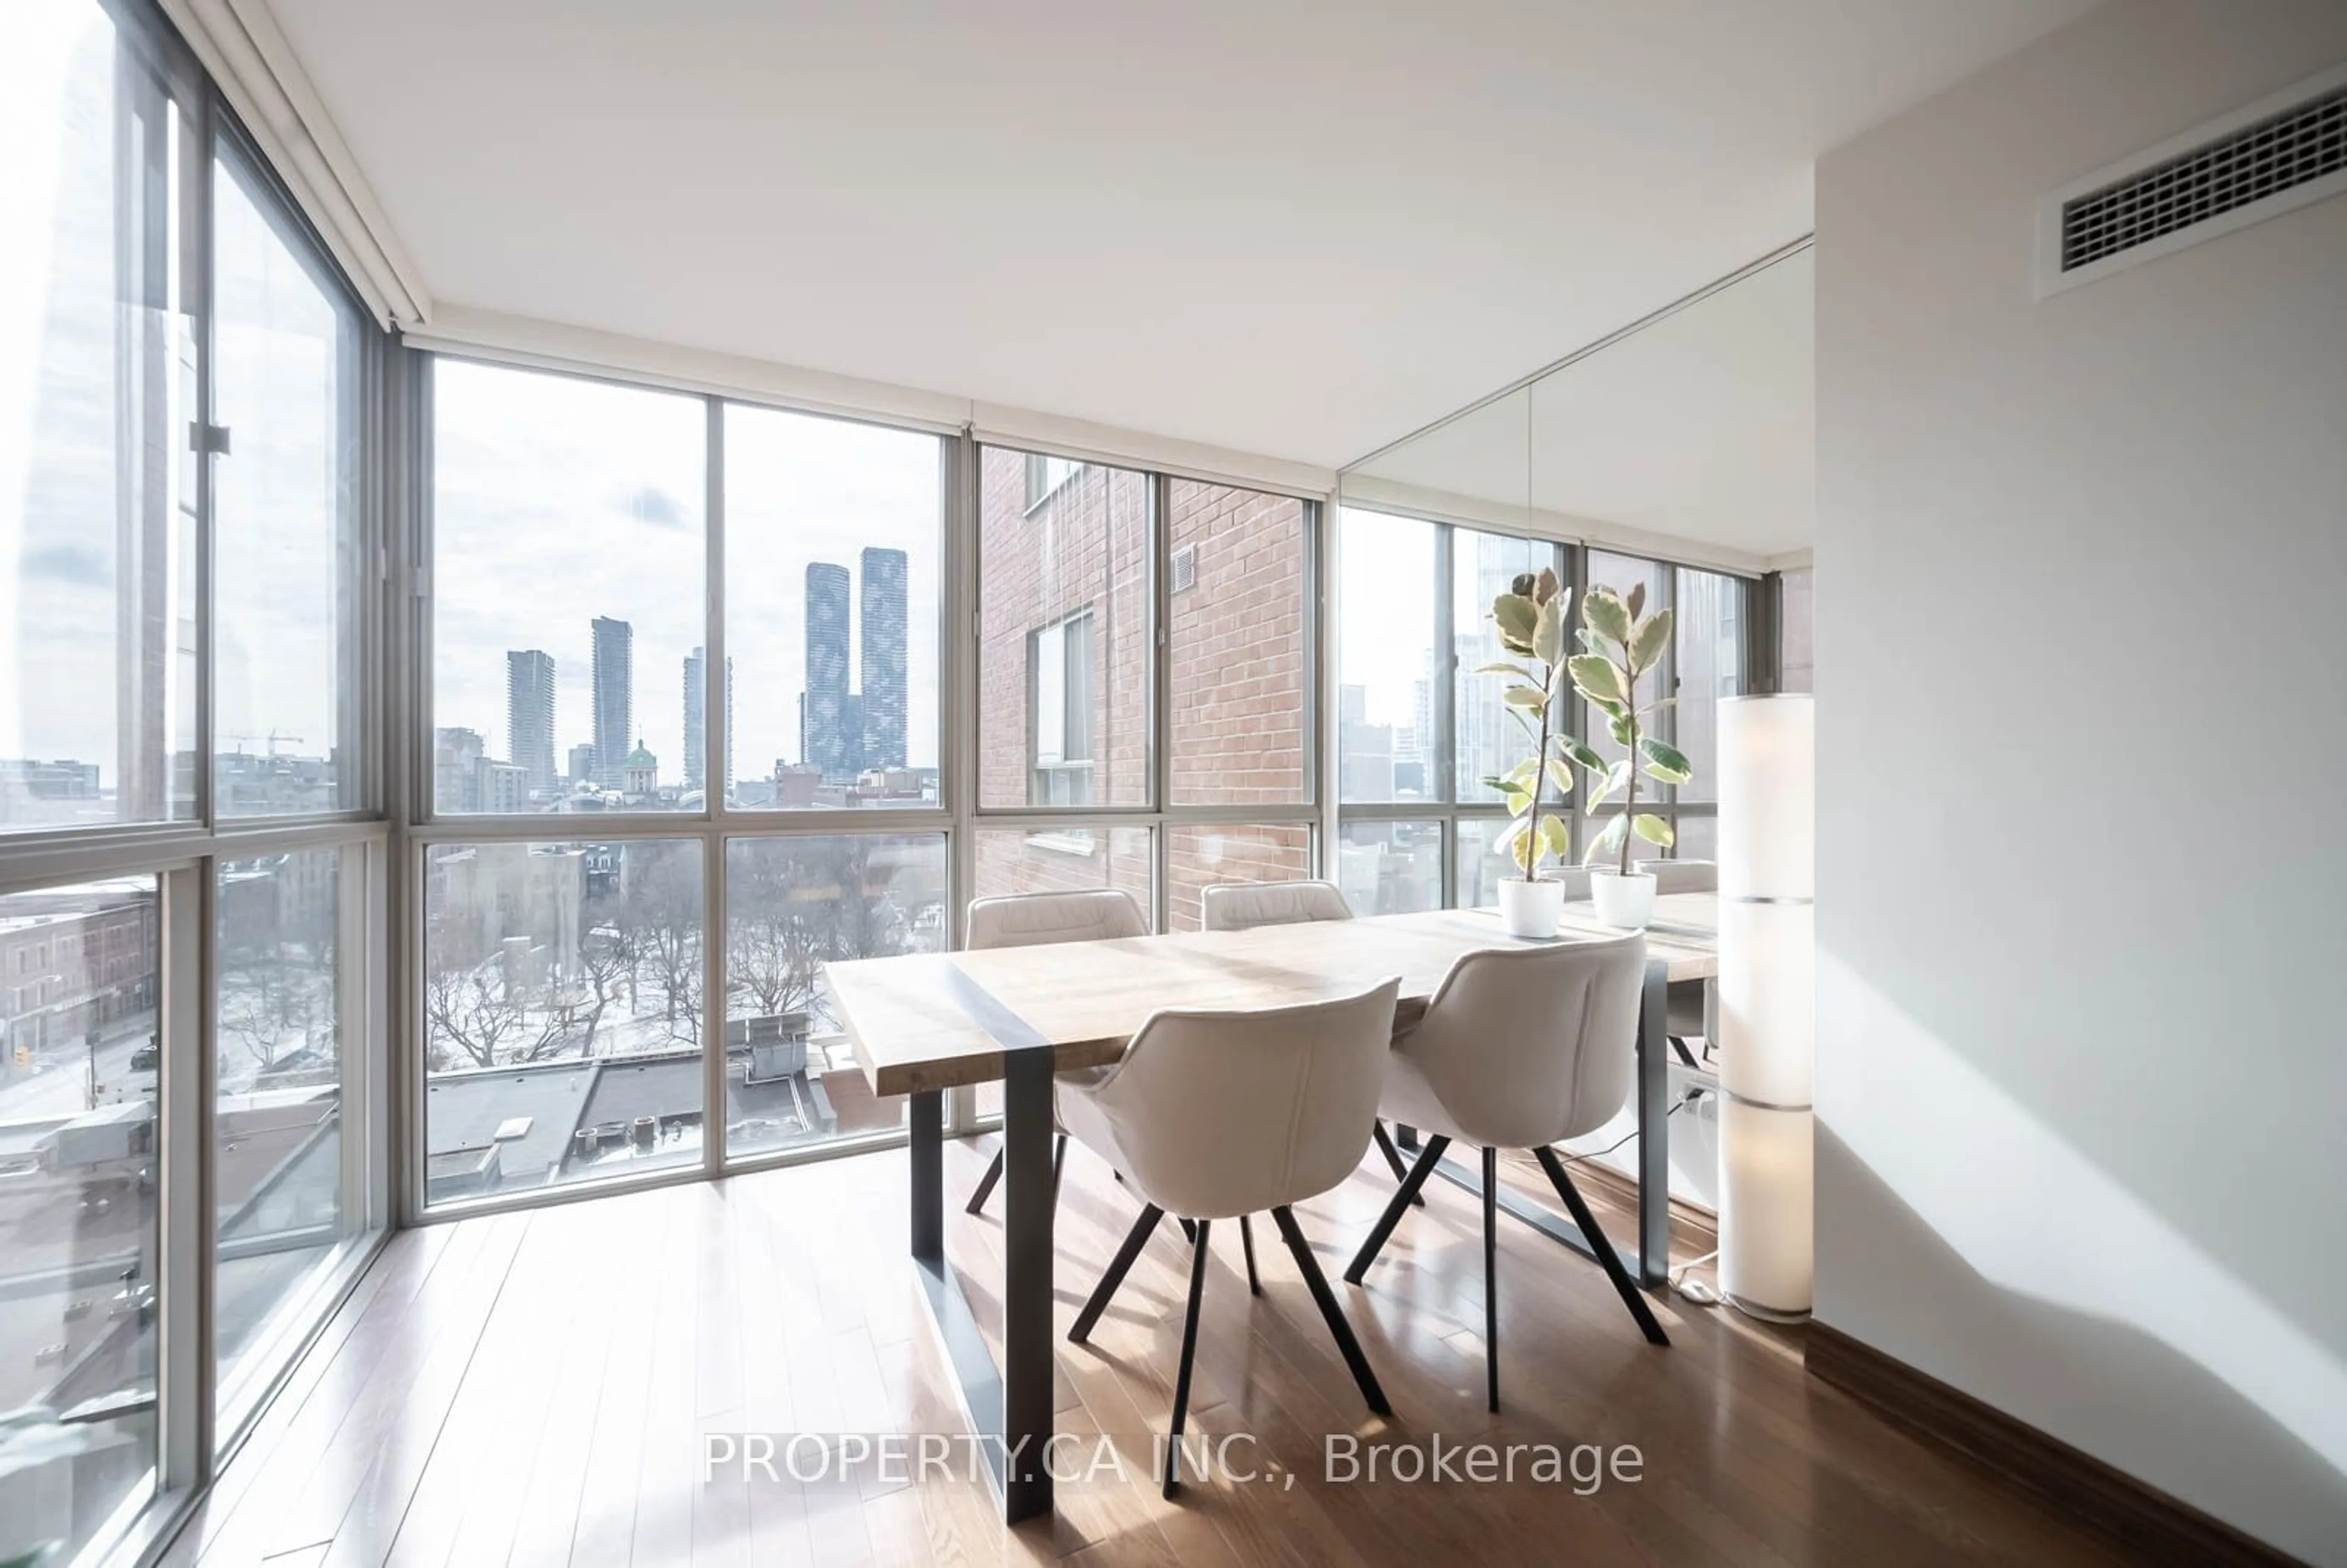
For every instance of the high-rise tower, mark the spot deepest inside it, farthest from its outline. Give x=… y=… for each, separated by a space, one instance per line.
x=882 y=672
x=824 y=736
x=614 y=700
x=529 y=715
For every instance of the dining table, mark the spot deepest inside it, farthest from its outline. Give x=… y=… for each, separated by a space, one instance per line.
x=923 y=1024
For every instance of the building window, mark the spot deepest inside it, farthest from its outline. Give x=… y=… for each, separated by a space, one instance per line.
x=1045 y=475
x=1090 y=559
x=1060 y=692
x=568 y=590
x=97 y=491
x=834 y=563
x=288 y=722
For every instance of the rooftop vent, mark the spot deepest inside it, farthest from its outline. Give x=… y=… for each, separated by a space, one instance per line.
x=2280 y=153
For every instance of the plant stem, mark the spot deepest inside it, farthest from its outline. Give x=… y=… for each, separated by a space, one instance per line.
x=1630 y=800
x=1539 y=777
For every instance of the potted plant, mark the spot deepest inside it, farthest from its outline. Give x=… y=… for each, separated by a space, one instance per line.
x=1530 y=621
x=1619 y=644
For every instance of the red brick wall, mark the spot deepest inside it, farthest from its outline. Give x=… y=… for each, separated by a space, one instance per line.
x=1235 y=648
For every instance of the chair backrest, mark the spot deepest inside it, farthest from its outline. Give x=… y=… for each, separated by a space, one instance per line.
x=1526 y=1046
x=1222 y=1114
x=1684 y=875
x=1033 y=919
x=1244 y=905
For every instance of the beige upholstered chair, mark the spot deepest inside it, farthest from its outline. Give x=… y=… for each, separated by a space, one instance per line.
x=1034 y=919
x=1244 y=905
x=1213 y=1115
x=1519 y=1049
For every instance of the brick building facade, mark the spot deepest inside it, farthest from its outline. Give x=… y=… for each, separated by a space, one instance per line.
x=1065 y=683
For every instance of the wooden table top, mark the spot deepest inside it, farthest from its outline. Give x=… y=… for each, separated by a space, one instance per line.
x=911 y=1019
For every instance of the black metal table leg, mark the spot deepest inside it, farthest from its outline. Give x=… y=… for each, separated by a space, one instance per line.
x=1026 y=1351
x=1655 y=1128
x=926 y=1128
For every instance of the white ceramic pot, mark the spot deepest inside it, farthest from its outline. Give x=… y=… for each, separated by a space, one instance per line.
x=1626 y=902
x=1530 y=908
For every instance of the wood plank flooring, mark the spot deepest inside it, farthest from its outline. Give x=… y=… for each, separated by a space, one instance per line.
x=534 y=1388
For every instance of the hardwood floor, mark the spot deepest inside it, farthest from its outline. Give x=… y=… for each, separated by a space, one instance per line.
x=535 y=1388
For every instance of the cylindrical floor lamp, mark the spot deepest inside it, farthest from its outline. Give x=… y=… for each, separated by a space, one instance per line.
x=1767 y=1003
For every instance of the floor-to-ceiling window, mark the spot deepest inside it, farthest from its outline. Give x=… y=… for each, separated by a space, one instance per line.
x=1419 y=731
x=191 y=854
x=686 y=721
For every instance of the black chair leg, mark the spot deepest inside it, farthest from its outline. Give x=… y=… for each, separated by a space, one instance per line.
x=1118 y=1267
x=1427 y=1161
x=1330 y=1309
x=977 y=1203
x=1491 y=1279
x=1393 y=1156
x=1189 y=1353
x=1631 y=1296
x=1246 y=1245
x=1190 y=1232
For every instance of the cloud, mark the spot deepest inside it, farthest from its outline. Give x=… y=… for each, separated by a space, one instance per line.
x=77 y=564
x=650 y=504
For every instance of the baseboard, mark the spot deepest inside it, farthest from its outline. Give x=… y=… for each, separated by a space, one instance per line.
x=2147 y=1524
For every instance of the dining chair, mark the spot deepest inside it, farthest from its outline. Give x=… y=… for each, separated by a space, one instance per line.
x=1036 y=919
x=1520 y=1048
x=1212 y=1115
x=1244 y=905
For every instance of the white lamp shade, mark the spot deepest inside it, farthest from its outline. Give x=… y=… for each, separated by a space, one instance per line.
x=1767 y=1011
x=1767 y=797
x=1767 y=1003
x=1767 y=1231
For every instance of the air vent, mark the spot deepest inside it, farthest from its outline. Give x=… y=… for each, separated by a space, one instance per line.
x=1185 y=568
x=2276 y=155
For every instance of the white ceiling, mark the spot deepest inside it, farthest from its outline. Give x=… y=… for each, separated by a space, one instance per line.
x=1701 y=427
x=1301 y=229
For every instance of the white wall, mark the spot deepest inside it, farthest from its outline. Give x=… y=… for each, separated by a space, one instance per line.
x=2081 y=682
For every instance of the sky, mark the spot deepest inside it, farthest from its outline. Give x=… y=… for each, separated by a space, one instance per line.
x=558 y=499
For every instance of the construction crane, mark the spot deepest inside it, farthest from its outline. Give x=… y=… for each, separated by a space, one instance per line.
x=271 y=738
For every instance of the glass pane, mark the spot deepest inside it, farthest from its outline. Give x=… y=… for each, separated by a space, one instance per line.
x=1064 y=860
x=1481 y=862
x=1483 y=567
x=833 y=536
x=567 y=559
x=285 y=362
x=1385 y=658
x=78 y=1250
x=1197 y=857
x=1621 y=573
x=562 y=994
x=1698 y=838
x=1391 y=868
x=791 y=906
x=1710 y=637
x=1798 y=649
x=1235 y=638
x=97 y=368
x=1063 y=665
x=278 y=1128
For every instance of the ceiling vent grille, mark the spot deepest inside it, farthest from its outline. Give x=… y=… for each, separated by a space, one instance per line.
x=2278 y=154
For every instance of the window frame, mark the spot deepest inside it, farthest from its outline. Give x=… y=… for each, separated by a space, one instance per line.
x=1572 y=568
